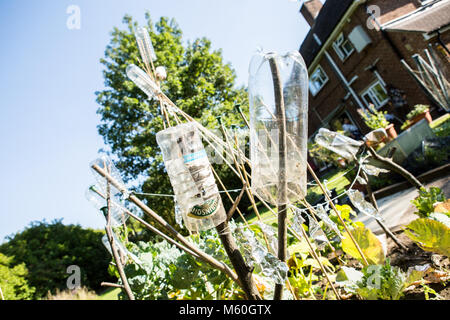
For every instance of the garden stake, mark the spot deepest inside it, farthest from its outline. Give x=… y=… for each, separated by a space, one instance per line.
x=229 y=196
x=363 y=257
x=126 y=286
x=1 y=294
x=153 y=229
x=290 y=229
x=235 y=204
x=246 y=183
x=299 y=238
x=244 y=278
x=155 y=217
x=244 y=272
x=313 y=252
x=265 y=204
x=313 y=214
x=282 y=164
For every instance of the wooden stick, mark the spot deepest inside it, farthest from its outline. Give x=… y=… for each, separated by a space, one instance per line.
x=298 y=237
x=113 y=285
x=313 y=214
x=229 y=196
x=373 y=200
x=363 y=257
x=396 y=168
x=244 y=272
x=126 y=286
x=316 y=258
x=242 y=174
x=282 y=167
x=235 y=204
x=153 y=229
x=171 y=230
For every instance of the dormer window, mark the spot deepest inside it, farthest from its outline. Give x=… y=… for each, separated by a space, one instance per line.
x=343 y=47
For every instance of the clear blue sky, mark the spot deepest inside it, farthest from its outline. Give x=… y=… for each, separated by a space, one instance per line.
x=48 y=76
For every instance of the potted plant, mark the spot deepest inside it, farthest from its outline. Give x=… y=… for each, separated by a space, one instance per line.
x=375 y=119
x=419 y=112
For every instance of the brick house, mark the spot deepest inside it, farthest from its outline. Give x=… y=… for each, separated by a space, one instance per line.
x=354 y=57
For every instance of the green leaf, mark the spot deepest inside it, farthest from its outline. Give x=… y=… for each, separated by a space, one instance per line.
x=367 y=241
x=300 y=247
x=430 y=235
x=426 y=200
x=313 y=262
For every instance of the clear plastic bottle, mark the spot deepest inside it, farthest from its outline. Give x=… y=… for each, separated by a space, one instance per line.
x=342 y=145
x=268 y=172
x=191 y=177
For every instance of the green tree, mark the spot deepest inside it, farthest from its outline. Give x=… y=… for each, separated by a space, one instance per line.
x=47 y=249
x=13 y=281
x=198 y=82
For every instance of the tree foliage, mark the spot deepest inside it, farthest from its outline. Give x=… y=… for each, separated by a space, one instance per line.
x=47 y=249
x=13 y=281
x=198 y=82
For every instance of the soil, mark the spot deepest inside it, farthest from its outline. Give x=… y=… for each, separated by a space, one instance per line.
x=415 y=256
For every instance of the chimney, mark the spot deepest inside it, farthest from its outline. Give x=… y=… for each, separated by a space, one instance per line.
x=310 y=10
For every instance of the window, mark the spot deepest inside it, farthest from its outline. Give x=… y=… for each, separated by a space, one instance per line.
x=317 y=80
x=376 y=94
x=343 y=47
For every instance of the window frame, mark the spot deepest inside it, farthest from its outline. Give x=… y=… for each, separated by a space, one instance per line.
x=373 y=97
x=339 y=48
x=324 y=79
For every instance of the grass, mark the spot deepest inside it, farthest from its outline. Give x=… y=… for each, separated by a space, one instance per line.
x=110 y=294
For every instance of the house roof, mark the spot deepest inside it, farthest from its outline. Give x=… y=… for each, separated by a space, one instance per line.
x=329 y=16
x=426 y=19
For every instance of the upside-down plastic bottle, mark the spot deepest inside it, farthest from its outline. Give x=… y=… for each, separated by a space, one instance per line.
x=191 y=177
x=278 y=93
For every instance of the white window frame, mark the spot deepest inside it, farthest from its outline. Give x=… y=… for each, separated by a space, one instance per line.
x=340 y=49
x=323 y=77
x=369 y=91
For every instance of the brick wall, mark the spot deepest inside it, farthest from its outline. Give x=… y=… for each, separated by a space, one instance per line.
x=388 y=66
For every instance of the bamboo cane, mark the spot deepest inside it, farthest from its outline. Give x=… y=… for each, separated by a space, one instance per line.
x=317 y=259
x=155 y=217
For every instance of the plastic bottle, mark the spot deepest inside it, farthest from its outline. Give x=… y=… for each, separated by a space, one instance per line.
x=191 y=177
x=266 y=125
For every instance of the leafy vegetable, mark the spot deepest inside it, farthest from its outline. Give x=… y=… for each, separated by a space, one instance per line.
x=430 y=235
x=367 y=241
x=165 y=272
x=383 y=282
x=426 y=200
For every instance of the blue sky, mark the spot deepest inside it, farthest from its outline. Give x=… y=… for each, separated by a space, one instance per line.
x=49 y=74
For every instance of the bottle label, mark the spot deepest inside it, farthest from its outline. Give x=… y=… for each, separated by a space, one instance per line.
x=194 y=156
x=205 y=210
